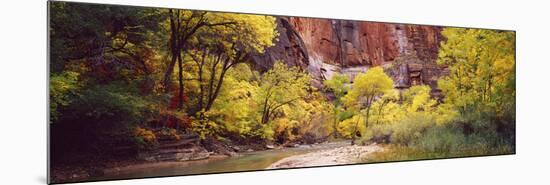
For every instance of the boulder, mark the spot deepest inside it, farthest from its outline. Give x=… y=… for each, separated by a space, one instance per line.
x=269 y=146
x=236 y=148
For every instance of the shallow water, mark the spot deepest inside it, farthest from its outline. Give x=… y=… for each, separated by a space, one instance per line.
x=258 y=160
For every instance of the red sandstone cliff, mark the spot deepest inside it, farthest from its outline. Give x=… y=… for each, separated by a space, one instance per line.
x=325 y=46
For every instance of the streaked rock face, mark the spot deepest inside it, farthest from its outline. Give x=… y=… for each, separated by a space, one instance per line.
x=324 y=47
x=353 y=43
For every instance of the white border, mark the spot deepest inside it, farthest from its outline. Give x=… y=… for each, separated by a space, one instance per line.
x=23 y=99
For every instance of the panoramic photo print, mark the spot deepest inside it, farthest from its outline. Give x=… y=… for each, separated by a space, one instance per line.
x=138 y=92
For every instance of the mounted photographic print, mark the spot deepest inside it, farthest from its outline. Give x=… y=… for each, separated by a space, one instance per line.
x=138 y=92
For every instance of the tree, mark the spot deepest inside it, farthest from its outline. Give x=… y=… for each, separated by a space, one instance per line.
x=367 y=88
x=62 y=89
x=385 y=108
x=338 y=86
x=281 y=86
x=351 y=127
x=481 y=64
x=216 y=50
x=236 y=109
x=481 y=81
x=183 y=25
x=418 y=99
x=102 y=38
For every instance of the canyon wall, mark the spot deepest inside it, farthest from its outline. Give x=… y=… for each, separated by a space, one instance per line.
x=352 y=43
x=324 y=47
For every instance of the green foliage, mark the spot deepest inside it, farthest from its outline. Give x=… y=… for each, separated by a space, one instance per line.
x=62 y=89
x=116 y=103
x=345 y=114
x=411 y=127
x=337 y=85
x=95 y=33
x=443 y=142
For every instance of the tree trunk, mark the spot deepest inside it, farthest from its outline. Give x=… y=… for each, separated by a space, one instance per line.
x=168 y=74
x=354 y=133
x=180 y=92
x=216 y=90
x=201 y=86
x=335 y=125
x=367 y=117
x=174 y=48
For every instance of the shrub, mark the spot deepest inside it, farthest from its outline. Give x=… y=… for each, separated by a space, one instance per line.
x=452 y=142
x=377 y=131
x=62 y=91
x=144 y=138
x=441 y=142
x=411 y=127
x=441 y=139
x=117 y=103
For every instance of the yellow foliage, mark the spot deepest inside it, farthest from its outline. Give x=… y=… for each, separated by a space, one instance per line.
x=352 y=125
x=367 y=86
x=146 y=135
x=417 y=98
x=204 y=127
x=481 y=64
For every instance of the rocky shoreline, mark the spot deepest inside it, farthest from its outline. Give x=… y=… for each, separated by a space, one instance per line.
x=184 y=152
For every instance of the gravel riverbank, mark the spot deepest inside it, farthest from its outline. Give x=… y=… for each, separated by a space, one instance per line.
x=336 y=156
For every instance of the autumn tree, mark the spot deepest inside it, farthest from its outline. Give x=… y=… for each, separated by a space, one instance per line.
x=183 y=26
x=218 y=49
x=281 y=86
x=384 y=109
x=338 y=86
x=236 y=109
x=481 y=64
x=367 y=88
x=481 y=80
x=418 y=98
